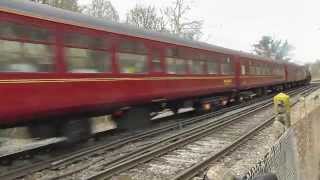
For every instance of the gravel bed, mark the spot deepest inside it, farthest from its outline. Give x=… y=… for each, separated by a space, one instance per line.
x=93 y=161
x=245 y=157
x=167 y=166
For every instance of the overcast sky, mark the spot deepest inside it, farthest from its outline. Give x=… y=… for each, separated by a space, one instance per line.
x=238 y=24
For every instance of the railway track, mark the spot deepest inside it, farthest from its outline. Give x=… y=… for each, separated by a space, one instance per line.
x=194 y=170
x=200 y=167
x=180 y=140
x=92 y=151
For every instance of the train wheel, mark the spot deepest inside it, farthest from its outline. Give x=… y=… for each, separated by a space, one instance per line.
x=134 y=118
x=76 y=130
x=43 y=130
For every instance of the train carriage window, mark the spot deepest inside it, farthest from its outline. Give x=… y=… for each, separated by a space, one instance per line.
x=176 y=66
x=196 y=66
x=274 y=70
x=181 y=66
x=86 y=54
x=156 y=65
x=252 y=70
x=279 y=71
x=258 y=72
x=87 y=61
x=282 y=73
x=156 y=61
x=132 y=63
x=17 y=55
x=171 y=65
x=132 y=46
x=269 y=70
x=213 y=67
x=83 y=40
x=172 y=52
x=132 y=56
x=261 y=69
x=264 y=70
x=13 y=30
x=226 y=67
x=25 y=57
x=243 y=69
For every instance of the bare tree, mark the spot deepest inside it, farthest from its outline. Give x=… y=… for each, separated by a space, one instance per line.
x=146 y=17
x=71 y=5
x=180 y=24
x=276 y=49
x=102 y=9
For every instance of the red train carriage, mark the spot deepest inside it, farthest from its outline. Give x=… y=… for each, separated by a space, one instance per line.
x=57 y=68
x=295 y=73
x=263 y=73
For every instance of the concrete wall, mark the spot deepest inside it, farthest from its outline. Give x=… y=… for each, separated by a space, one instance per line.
x=307 y=134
